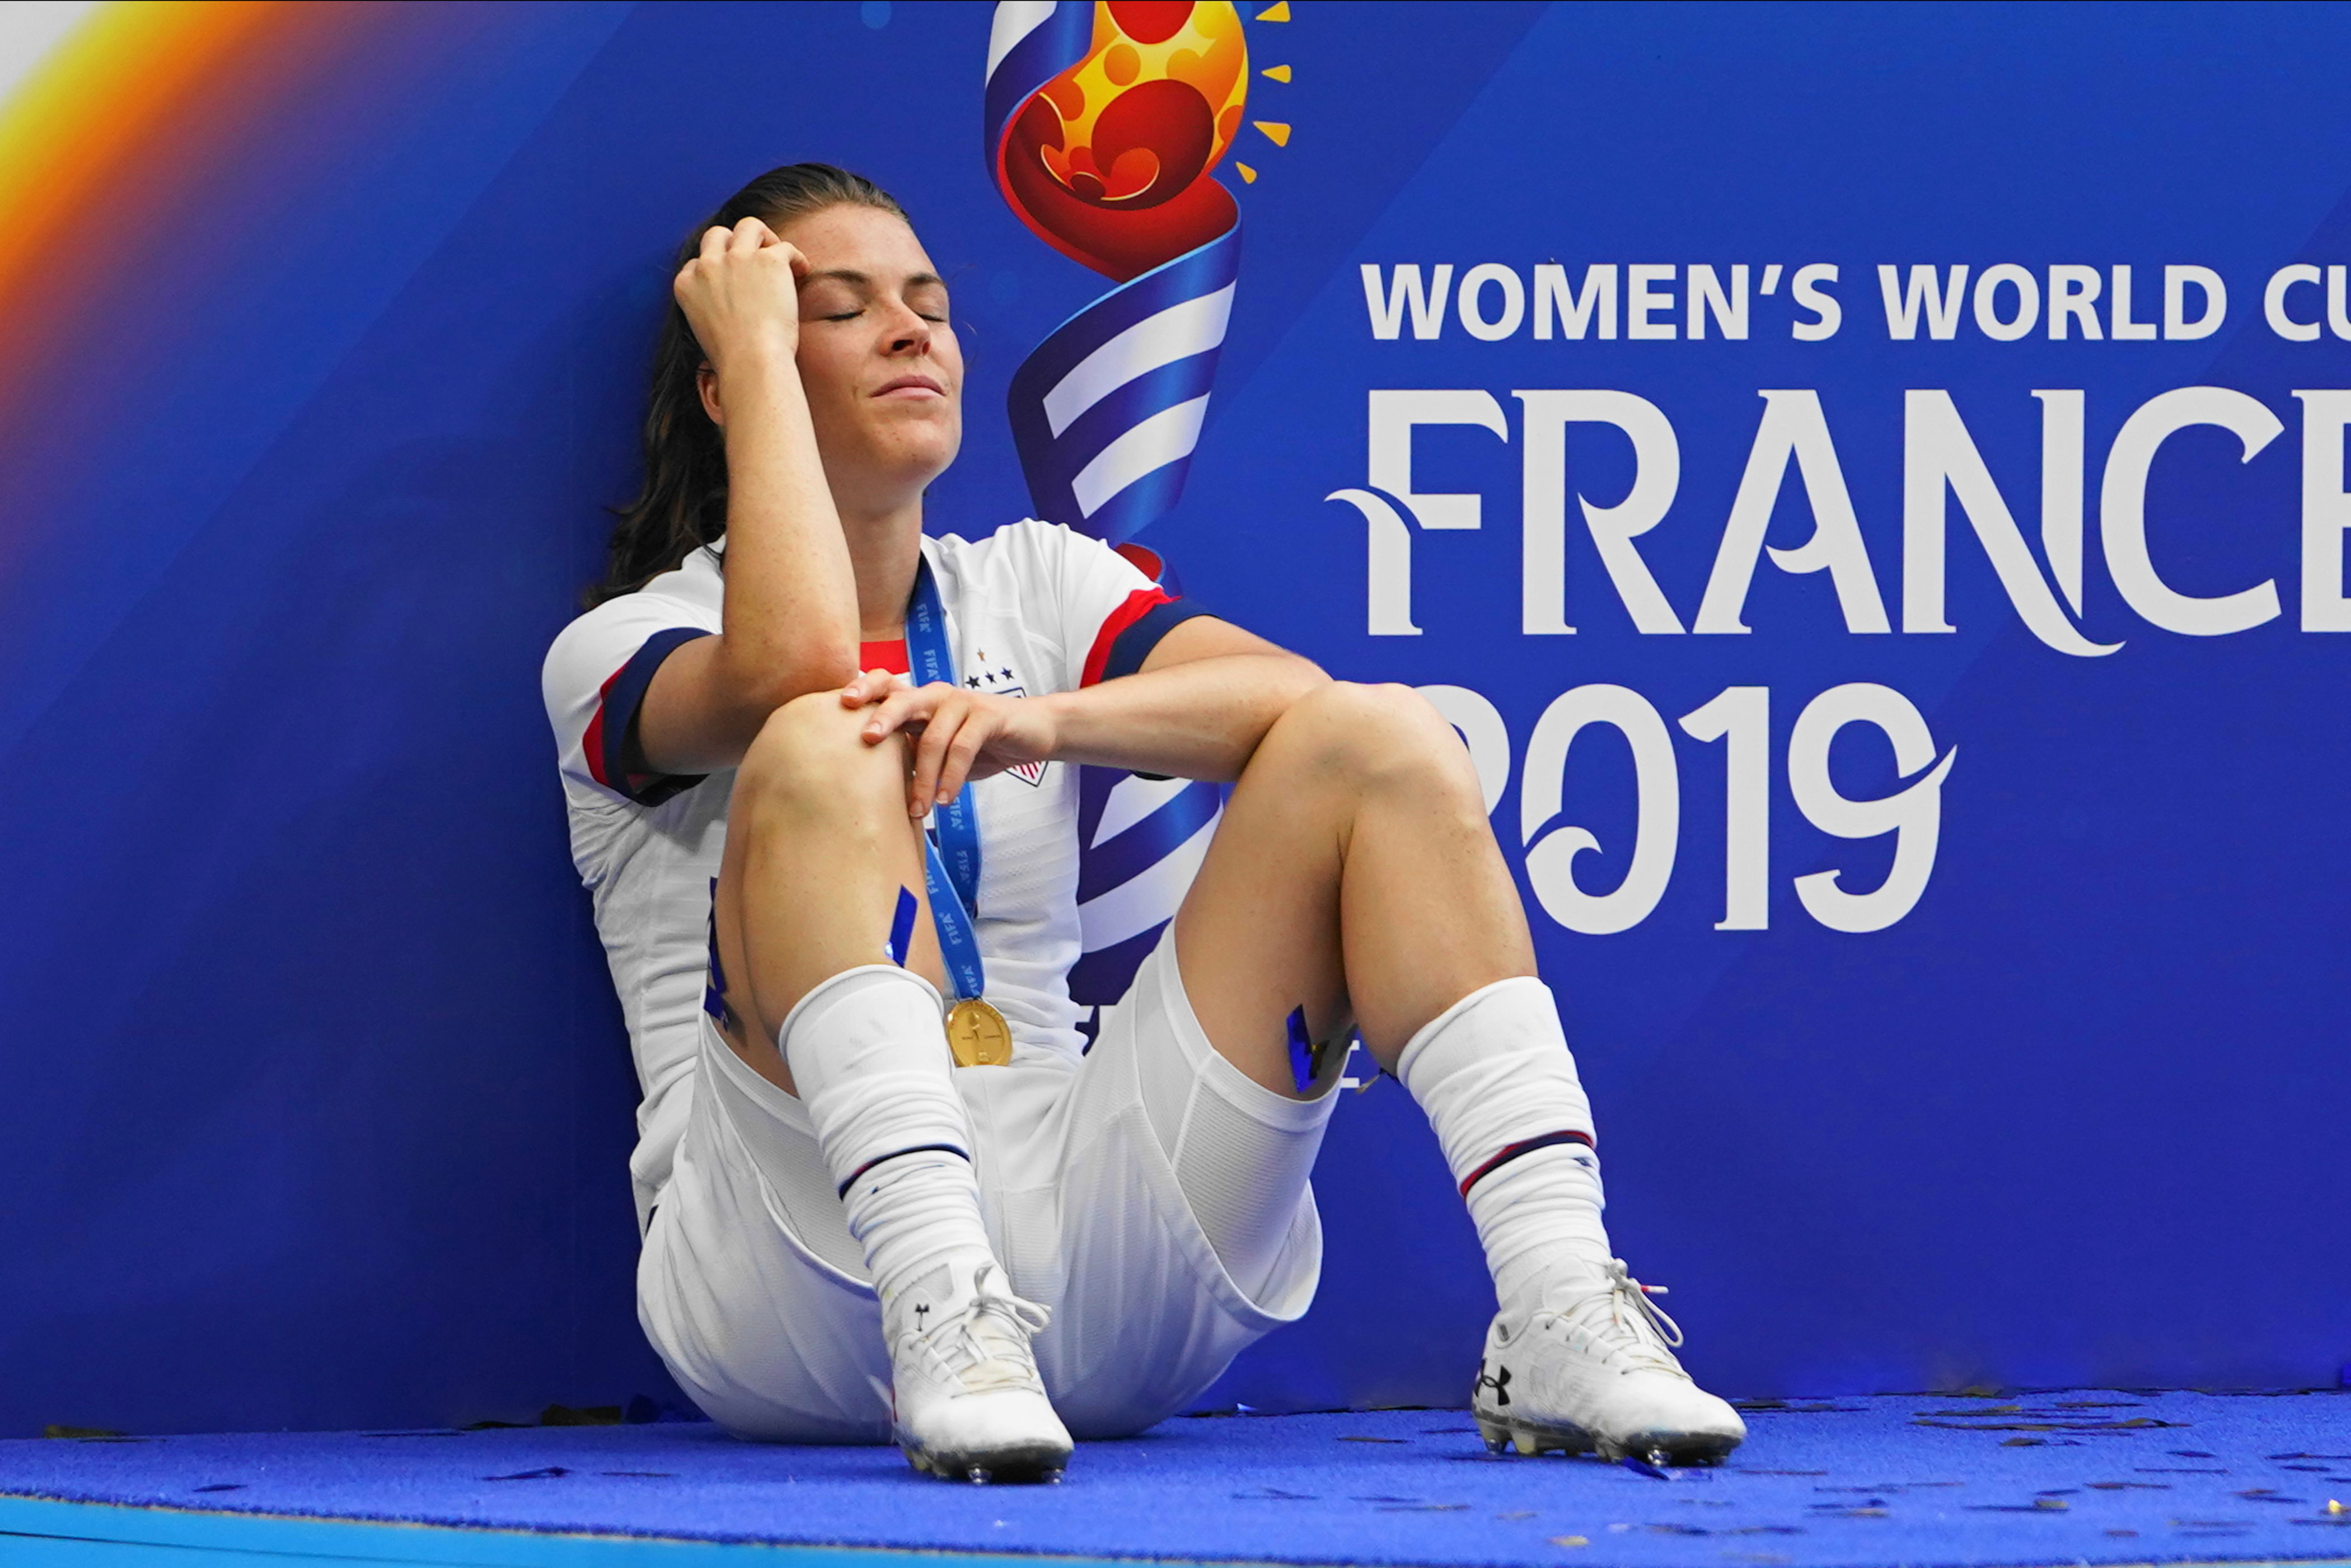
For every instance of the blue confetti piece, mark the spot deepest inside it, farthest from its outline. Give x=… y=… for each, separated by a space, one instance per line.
x=902 y=927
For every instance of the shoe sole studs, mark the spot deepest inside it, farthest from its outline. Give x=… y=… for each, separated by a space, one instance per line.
x=1531 y=1440
x=1671 y=1448
x=1660 y=1449
x=1017 y=1466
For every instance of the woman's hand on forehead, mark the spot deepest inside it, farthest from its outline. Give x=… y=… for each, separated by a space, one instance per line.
x=741 y=293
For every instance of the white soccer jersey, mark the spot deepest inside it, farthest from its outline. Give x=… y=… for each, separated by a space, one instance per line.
x=1033 y=609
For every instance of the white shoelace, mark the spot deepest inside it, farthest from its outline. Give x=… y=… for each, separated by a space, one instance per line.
x=1619 y=1313
x=986 y=1345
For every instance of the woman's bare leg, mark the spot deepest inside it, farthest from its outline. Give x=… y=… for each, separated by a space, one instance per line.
x=820 y=851
x=819 y=845
x=1353 y=874
x=1355 y=870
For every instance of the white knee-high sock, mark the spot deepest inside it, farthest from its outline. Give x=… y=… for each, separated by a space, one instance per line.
x=1495 y=1076
x=871 y=1061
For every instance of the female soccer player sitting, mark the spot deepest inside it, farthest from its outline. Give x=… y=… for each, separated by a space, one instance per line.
x=980 y=1238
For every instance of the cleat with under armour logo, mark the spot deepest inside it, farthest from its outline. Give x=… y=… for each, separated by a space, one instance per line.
x=966 y=1402
x=1592 y=1368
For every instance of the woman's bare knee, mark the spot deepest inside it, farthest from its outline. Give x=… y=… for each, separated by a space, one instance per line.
x=810 y=758
x=1384 y=736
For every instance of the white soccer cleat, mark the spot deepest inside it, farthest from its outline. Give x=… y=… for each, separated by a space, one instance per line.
x=968 y=1404
x=1593 y=1368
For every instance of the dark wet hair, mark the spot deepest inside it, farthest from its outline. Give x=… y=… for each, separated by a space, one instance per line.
x=682 y=505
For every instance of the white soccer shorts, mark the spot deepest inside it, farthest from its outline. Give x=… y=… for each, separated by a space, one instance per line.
x=754 y=1294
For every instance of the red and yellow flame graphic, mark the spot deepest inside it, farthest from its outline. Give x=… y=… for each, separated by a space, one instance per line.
x=1150 y=108
x=1110 y=162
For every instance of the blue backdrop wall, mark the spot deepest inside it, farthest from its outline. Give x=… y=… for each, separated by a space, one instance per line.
x=321 y=1106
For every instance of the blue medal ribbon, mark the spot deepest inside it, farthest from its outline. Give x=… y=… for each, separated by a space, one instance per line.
x=951 y=847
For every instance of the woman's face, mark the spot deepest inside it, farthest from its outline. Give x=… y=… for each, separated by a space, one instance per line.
x=883 y=373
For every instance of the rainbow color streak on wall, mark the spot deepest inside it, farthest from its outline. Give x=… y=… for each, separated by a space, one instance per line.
x=232 y=233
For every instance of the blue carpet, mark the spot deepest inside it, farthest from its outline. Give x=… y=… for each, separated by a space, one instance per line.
x=2098 y=1477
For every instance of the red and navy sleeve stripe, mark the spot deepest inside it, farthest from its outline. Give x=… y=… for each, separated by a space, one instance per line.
x=615 y=757
x=1132 y=631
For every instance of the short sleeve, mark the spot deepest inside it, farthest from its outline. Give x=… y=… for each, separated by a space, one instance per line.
x=1116 y=604
x=594 y=683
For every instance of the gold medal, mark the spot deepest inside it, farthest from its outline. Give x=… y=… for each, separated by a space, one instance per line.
x=978 y=1035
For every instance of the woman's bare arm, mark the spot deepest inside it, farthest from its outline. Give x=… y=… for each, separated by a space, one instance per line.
x=1204 y=698
x=1196 y=709
x=790 y=624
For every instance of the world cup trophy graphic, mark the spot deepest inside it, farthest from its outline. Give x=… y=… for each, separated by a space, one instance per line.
x=1104 y=121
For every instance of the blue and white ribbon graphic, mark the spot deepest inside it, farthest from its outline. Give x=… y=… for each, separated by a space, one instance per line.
x=1106 y=416
x=1106 y=413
